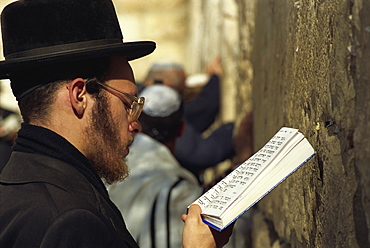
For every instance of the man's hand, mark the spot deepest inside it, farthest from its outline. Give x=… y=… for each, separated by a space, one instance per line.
x=215 y=67
x=200 y=235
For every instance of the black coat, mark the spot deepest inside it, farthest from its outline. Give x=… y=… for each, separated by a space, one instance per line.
x=45 y=202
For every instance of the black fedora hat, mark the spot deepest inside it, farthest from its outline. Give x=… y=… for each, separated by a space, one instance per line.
x=42 y=32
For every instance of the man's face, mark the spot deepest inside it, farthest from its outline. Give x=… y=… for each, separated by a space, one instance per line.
x=110 y=133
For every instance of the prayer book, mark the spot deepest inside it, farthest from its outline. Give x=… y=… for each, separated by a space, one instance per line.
x=235 y=194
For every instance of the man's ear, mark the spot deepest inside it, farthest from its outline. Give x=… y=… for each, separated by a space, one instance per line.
x=77 y=96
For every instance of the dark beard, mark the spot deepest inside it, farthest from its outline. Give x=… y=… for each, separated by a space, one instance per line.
x=105 y=147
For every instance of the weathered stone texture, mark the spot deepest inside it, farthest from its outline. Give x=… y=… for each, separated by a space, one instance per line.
x=360 y=60
x=307 y=61
x=160 y=21
x=310 y=73
x=213 y=31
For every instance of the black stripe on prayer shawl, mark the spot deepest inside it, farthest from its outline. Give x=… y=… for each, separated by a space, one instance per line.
x=153 y=219
x=152 y=222
x=168 y=210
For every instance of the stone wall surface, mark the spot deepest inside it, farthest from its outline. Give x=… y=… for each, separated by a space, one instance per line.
x=161 y=21
x=302 y=64
x=310 y=68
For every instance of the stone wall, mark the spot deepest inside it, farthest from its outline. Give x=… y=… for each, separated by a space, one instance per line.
x=160 y=21
x=310 y=65
x=302 y=64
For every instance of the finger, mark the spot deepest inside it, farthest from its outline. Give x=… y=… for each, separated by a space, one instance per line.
x=194 y=209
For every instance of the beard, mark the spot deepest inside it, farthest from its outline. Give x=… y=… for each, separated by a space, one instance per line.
x=105 y=146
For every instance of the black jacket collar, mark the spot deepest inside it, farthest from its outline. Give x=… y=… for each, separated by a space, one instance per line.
x=32 y=168
x=38 y=140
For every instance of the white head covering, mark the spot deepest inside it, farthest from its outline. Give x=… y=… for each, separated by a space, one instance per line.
x=195 y=80
x=160 y=100
x=166 y=64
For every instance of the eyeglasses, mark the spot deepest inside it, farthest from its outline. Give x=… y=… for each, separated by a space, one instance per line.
x=134 y=108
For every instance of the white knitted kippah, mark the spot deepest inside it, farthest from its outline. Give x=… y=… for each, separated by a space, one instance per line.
x=199 y=79
x=160 y=100
x=166 y=64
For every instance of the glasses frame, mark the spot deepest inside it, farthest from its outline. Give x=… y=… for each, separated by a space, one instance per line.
x=136 y=106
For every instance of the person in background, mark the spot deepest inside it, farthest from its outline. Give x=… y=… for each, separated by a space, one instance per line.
x=69 y=71
x=202 y=96
x=194 y=151
x=9 y=125
x=160 y=189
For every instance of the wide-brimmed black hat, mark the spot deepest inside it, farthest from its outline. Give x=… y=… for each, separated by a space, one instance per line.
x=42 y=32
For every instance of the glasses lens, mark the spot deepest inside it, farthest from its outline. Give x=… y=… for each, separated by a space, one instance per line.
x=133 y=112
x=137 y=104
x=136 y=108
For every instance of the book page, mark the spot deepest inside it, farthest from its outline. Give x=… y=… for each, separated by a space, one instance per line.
x=220 y=197
x=277 y=173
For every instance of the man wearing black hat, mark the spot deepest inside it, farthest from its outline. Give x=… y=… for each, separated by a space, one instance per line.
x=69 y=71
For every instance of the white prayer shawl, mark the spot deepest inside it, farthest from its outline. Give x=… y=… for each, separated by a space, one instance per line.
x=155 y=195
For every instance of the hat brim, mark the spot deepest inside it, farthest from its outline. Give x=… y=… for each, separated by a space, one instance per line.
x=130 y=50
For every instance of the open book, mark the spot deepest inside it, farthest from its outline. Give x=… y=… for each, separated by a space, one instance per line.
x=256 y=177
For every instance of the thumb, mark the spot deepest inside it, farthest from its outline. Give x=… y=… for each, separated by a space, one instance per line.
x=194 y=211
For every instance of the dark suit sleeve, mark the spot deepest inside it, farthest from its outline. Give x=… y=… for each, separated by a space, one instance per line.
x=197 y=153
x=202 y=111
x=78 y=228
